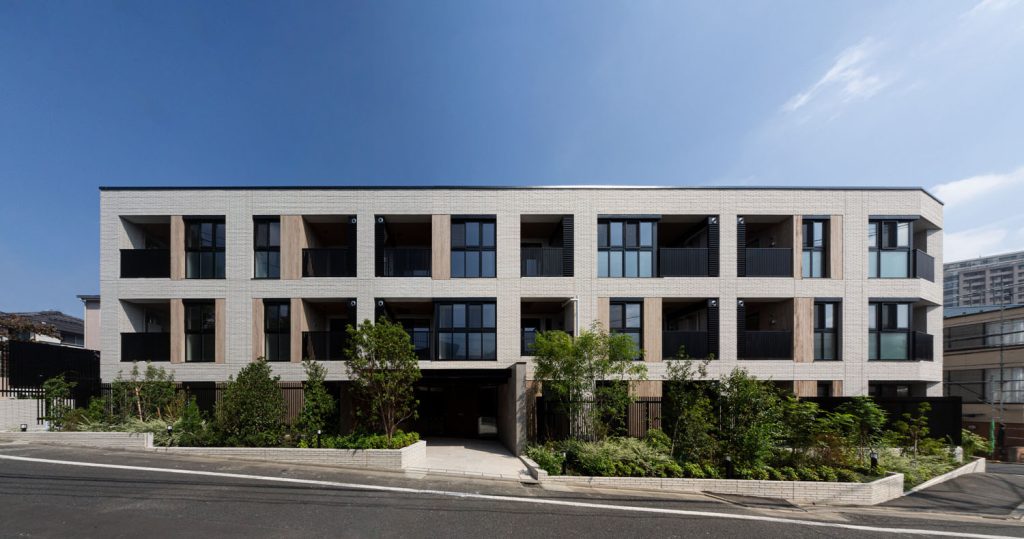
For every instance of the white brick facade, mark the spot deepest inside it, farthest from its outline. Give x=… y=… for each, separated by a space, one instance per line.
x=238 y=206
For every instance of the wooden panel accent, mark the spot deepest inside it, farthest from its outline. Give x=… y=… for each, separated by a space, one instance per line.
x=177 y=331
x=645 y=388
x=298 y=321
x=837 y=388
x=220 y=312
x=603 y=312
x=652 y=329
x=805 y=388
x=835 y=247
x=803 y=330
x=798 y=246
x=177 y=248
x=441 y=246
x=293 y=240
x=258 y=342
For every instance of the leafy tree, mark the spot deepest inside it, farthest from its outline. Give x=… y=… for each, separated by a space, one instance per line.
x=318 y=404
x=383 y=368
x=913 y=428
x=594 y=366
x=252 y=408
x=192 y=430
x=869 y=423
x=145 y=396
x=689 y=414
x=750 y=420
x=56 y=393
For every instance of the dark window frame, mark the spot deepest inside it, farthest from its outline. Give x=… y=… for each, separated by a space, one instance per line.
x=451 y=327
x=210 y=254
x=263 y=244
x=607 y=247
x=205 y=335
x=638 y=331
x=276 y=324
x=816 y=251
x=461 y=249
x=886 y=240
x=883 y=325
x=822 y=328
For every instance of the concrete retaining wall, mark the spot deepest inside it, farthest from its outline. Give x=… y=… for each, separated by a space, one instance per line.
x=412 y=456
x=975 y=466
x=15 y=412
x=108 y=440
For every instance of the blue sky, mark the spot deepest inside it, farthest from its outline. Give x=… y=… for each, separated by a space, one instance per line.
x=515 y=93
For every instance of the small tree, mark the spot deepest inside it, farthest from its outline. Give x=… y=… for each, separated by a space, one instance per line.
x=252 y=408
x=145 y=396
x=690 y=416
x=318 y=404
x=56 y=392
x=914 y=427
x=750 y=425
x=191 y=429
x=593 y=366
x=869 y=423
x=383 y=367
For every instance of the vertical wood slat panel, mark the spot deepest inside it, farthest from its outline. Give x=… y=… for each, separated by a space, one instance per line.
x=441 y=247
x=177 y=247
x=798 y=246
x=293 y=240
x=257 y=328
x=835 y=246
x=220 y=333
x=177 y=331
x=805 y=388
x=803 y=330
x=296 y=326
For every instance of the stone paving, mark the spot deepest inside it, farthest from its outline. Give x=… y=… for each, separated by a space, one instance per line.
x=472 y=458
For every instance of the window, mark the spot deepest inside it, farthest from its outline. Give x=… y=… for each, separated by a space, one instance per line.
x=1010 y=334
x=1012 y=385
x=200 y=331
x=815 y=255
x=965 y=337
x=204 y=249
x=889 y=331
x=889 y=249
x=466 y=331
x=625 y=248
x=627 y=317
x=267 y=248
x=277 y=330
x=473 y=253
x=826 y=332
x=967 y=384
x=419 y=333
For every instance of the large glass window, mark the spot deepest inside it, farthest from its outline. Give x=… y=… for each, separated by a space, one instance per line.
x=466 y=331
x=1005 y=333
x=625 y=248
x=826 y=331
x=200 y=331
x=889 y=331
x=267 y=245
x=473 y=248
x=204 y=249
x=889 y=246
x=1012 y=383
x=627 y=317
x=277 y=330
x=815 y=248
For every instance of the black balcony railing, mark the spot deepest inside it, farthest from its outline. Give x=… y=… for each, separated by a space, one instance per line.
x=541 y=261
x=924 y=265
x=145 y=263
x=145 y=347
x=695 y=343
x=683 y=262
x=406 y=262
x=324 y=345
x=328 y=262
x=923 y=343
x=768 y=345
x=769 y=262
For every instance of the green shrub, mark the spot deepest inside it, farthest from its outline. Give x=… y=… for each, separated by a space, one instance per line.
x=916 y=471
x=360 y=440
x=828 y=473
x=693 y=470
x=712 y=472
x=759 y=473
x=659 y=441
x=548 y=459
x=847 y=476
x=250 y=413
x=614 y=457
x=191 y=430
x=806 y=473
x=973 y=444
x=775 y=474
x=317 y=402
x=788 y=473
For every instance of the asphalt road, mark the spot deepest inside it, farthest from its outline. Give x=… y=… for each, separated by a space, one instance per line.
x=46 y=499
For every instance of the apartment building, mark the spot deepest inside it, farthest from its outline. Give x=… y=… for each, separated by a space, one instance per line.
x=826 y=291
x=987 y=280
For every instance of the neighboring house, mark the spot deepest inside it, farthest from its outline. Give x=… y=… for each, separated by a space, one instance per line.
x=825 y=291
x=91 y=304
x=70 y=328
x=977 y=341
x=989 y=280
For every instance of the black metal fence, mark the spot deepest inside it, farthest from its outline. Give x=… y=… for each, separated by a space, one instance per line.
x=328 y=262
x=683 y=262
x=924 y=265
x=695 y=343
x=553 y=423
x=944 y=419
x=324 y=345
x=406 y=262
x=768 y=345
x=541 y=262
x=154 y=347
x=769 y=262
x=923 y=346
x=145 y=263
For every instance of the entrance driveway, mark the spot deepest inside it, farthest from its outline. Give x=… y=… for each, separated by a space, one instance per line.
x=472 y=458
x=998 y=493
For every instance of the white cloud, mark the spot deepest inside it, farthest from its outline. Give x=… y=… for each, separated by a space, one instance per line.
x=982 y=241
x=960 y=192
x=851 y=77
x=988 y=5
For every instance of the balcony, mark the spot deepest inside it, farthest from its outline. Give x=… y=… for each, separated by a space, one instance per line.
x=924 y=265
x=145 y=263
x=695 y=343
x=406 y=262
x=324 y=345
x=146 y=347
x=767 y=345
x=328 y=262
x=541 y=261
x=923 y=343
x=769 y=262
x=683 y=262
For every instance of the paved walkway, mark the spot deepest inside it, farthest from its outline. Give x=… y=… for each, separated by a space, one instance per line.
x=473 y=458
x=998 y=493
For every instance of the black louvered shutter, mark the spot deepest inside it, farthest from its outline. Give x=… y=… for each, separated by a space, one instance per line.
x=568 y=246
x=379 y=310
x=741 y=330
x=713 y=246
x=353 y=242
x=741 y=250
x=380 y=236
x=713 y=327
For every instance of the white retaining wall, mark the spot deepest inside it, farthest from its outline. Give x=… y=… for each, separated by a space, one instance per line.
x=414 y=455
x=109 y=440
x=975 y=466
x=15 y=412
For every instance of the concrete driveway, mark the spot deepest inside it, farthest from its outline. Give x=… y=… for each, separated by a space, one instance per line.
x=473 y=458
x=999 y=493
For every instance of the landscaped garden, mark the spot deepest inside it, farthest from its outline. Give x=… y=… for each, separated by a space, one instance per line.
x=734 y=426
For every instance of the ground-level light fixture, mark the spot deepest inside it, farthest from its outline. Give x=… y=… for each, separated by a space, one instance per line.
x=874 y=459
x=24 y=427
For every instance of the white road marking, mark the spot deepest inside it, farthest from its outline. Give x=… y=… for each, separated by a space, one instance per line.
x=518 y=499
